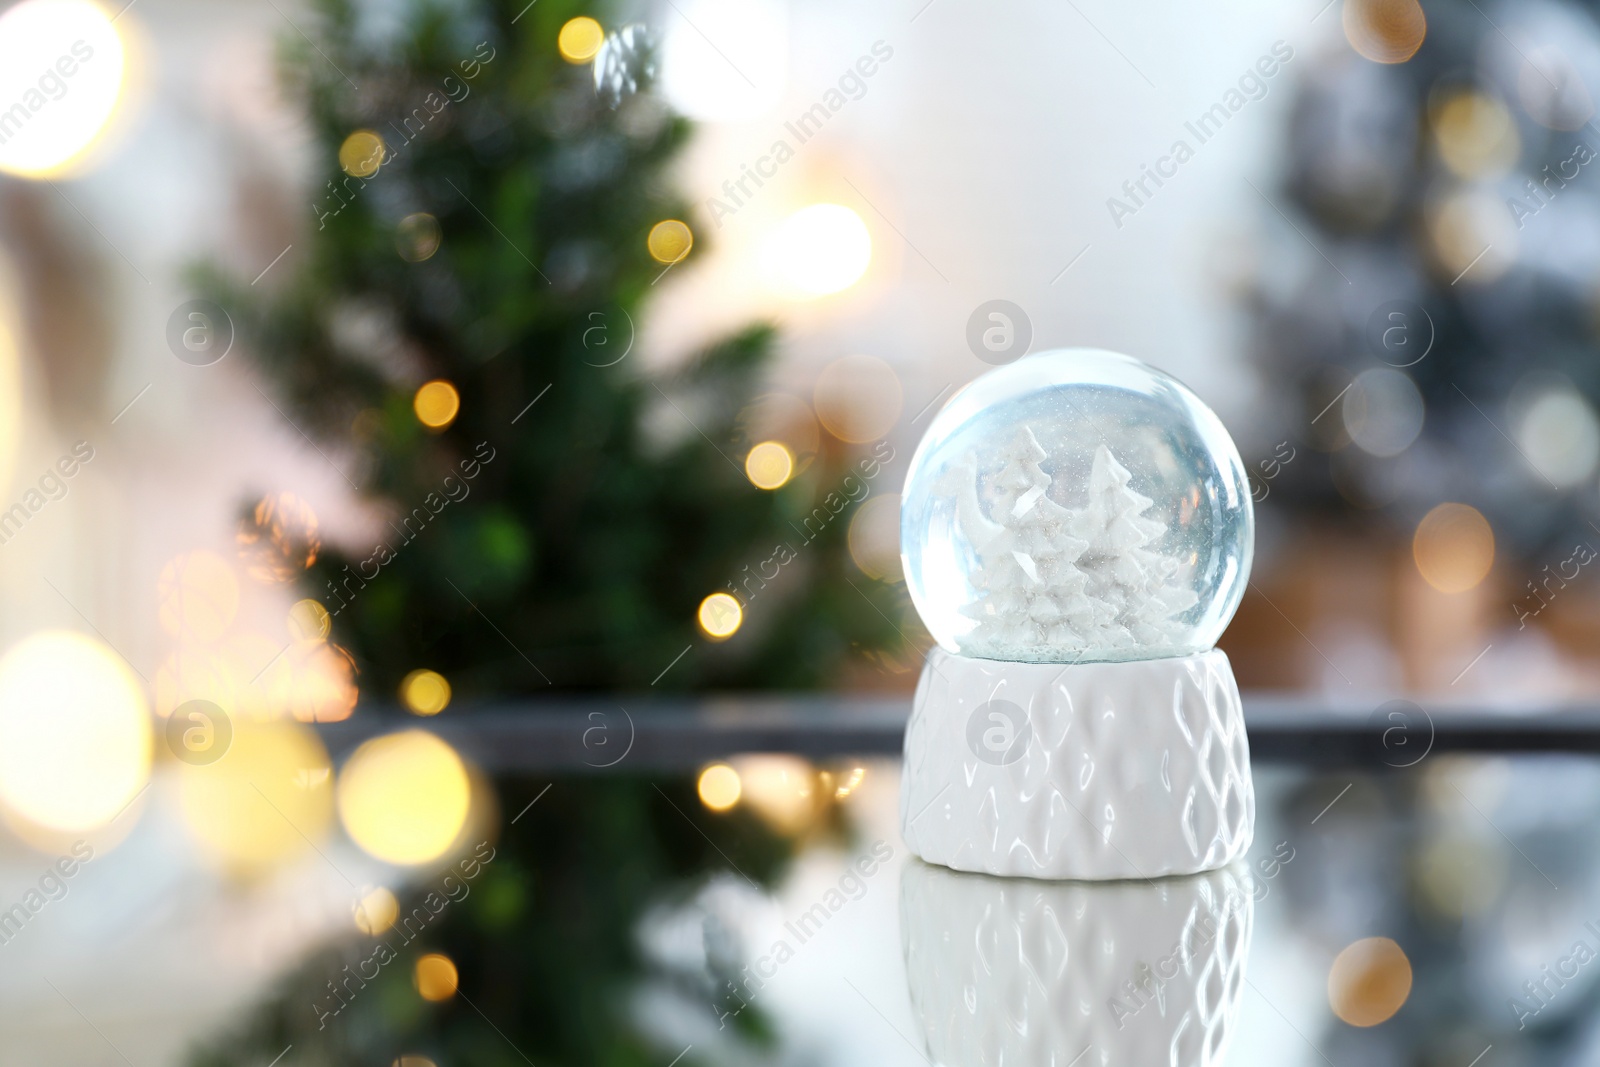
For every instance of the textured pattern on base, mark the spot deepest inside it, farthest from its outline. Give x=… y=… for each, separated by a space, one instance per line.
x=1119 y=770
x=1018 y=973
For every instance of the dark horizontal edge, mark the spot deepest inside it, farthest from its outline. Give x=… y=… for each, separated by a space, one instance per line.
x=613 y=735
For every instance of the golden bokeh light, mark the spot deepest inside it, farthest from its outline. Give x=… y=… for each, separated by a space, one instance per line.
x=425 y=692
x=309 y=621
x=76 y=46
x=719 y=787
x=320 y=683
x=874 y=538
x=1369 y=981
x=580 y=39
x=669 y=241
x=264 y=802
x=417 y=237
x=821 y=249
x=279 y=539
x=404 y=797
x=784 y=418
x=858 y=398
x=197 y=596
x=435 y=977
x=781 y=789
x=1453 y=547
x=376 y=911
x=769 y=465
x=436 y=404
x=720 y=615
x=1475 y=135
x=75 y=736
x=1385 y=31
x=362 y=153
x=414 y=1061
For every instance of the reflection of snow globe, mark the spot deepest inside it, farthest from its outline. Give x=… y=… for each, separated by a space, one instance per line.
x=1010 y=972
x=1077 y=532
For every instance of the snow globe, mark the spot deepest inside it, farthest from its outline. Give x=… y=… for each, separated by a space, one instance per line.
x=1076 y=529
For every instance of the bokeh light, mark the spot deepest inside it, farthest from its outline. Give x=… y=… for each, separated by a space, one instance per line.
x=1475 y=135
x=1369 y=981
x=44 y=40
x=1383 y=411
x=260 y=804
x=1460 y=876
x=669 y=241
x=769 y=465
x=436 y=977
x=362 y=153
x=874 y=538
x=1385 y=31
x=309 y=621
x=1473 y=235
x=696 y=76
x=436 y=404
x=1551 y=90
x=1560 y=437
x=781 y=789
x=404 y=797
x=321 y=683
x=1453 y=547
x=425 y=692
x=376 y=911
x=414 y=1061
x=417 y=237
x=75 y=736
x=858 y=398
x=785 y=418
x=278 y=540
x=719 y=787
x=197 y=596
x=580 y=39
x=821 y=249
x=720 y=615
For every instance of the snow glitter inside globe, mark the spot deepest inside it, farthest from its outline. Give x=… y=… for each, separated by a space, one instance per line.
x=1076 y=506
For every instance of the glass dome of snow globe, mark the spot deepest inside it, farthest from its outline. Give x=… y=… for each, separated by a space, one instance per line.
x=1076 y=506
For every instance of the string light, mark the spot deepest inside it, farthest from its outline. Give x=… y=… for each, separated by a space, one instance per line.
x=669 y=241
x=769 y=465
x=404 y=797
x=376 y=911
x=720 y=615
x=425 y=692
x=580 y=39
x=76 y=43
x=436 y=977
x=75 y=737
x=361 y=154
x=437 y=403
x=719 y=787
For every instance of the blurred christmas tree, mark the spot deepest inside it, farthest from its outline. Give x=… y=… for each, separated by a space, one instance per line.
x=1436 y=311
x=490 y=227
x=486 y=237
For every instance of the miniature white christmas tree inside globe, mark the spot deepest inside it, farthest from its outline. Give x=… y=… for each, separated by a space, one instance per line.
x=1076 y=506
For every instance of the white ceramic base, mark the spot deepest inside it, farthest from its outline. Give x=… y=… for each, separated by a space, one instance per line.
x=1090 y=770
x=1018 y=973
